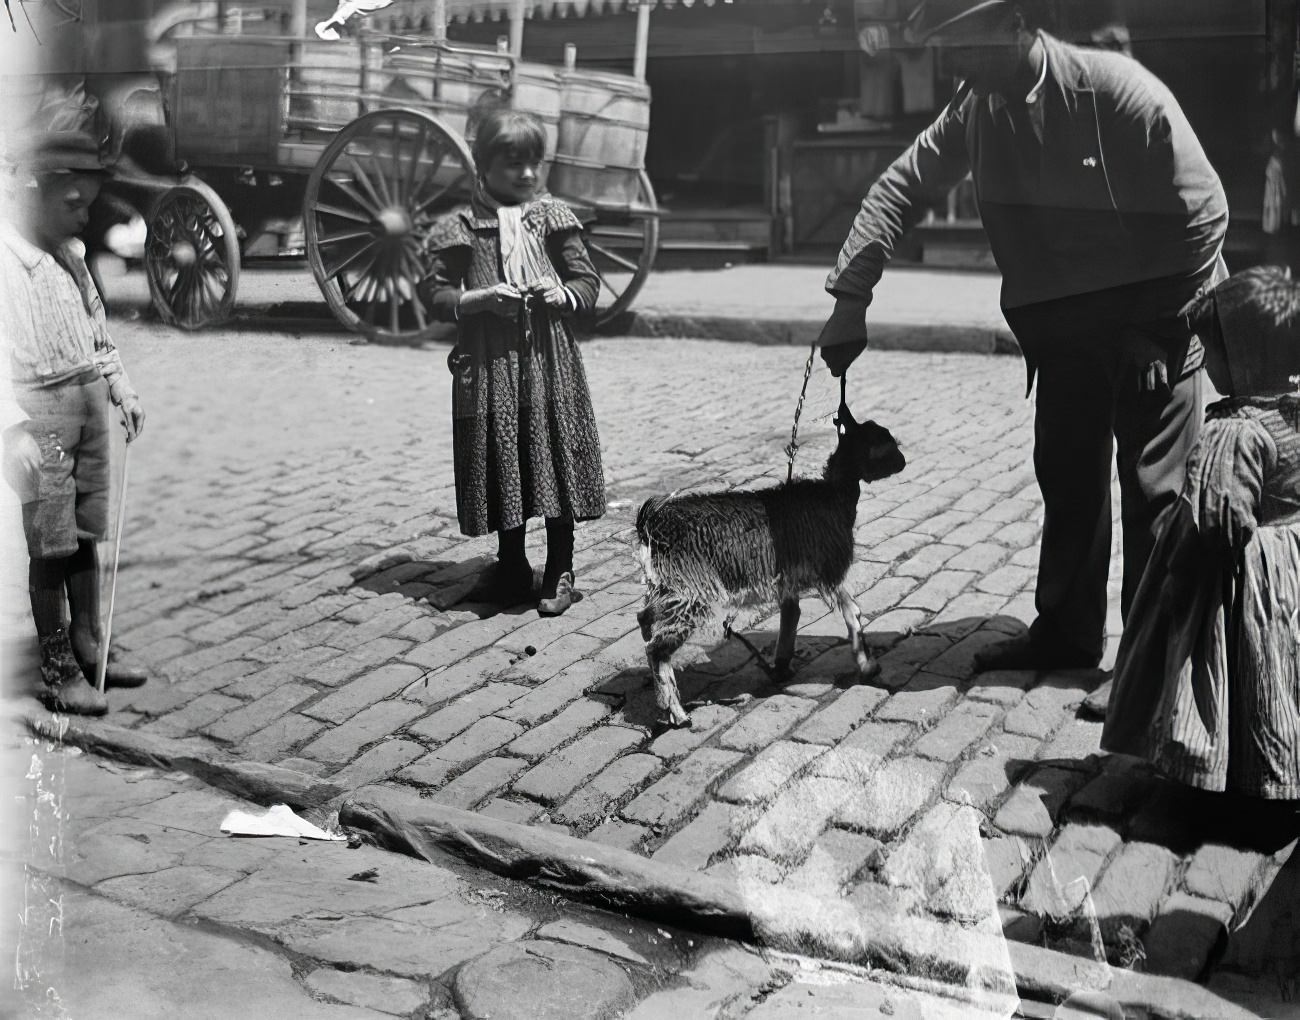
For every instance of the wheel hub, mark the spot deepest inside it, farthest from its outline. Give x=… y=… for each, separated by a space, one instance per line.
x=183 y=254
x=394 y=222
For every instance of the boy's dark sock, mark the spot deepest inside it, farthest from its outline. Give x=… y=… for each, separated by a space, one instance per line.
x=82 y=576
x=45 y=586
x=559 y=553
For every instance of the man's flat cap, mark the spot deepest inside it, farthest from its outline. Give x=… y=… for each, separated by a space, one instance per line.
x=932 y=16
x=77 y=151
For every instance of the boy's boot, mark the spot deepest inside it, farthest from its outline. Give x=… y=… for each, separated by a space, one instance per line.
x=66 y=689
x=84 y=632
x=558 y=592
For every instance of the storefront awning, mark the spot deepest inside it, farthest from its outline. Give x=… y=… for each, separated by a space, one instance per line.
x=499 y=10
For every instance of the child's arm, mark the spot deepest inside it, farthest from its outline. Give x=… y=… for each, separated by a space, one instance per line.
x=579 y=281
x=443 y=281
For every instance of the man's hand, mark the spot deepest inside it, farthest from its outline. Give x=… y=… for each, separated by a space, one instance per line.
x=132 y=417
x=22 y=461
x=844 y=336
x=501 y=299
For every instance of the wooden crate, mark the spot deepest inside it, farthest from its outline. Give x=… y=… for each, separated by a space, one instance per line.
x=228 y=99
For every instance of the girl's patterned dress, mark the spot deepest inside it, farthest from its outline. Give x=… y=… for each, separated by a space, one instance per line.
x=524 y=435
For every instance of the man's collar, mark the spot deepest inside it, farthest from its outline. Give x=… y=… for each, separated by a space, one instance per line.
x=997 y=101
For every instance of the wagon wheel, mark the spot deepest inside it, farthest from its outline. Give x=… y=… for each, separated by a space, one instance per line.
x=191 y=256
x=623 y=243
x=370 y=199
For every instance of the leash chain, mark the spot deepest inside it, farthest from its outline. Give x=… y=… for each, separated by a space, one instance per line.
x=793 y=446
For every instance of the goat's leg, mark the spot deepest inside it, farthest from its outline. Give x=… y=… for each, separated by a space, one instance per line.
x=785 y=638
x=646 y=619
x=668 y=631
x=867 y=665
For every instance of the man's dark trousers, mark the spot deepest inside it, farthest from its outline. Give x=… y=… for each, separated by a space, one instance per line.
x=1091 y=406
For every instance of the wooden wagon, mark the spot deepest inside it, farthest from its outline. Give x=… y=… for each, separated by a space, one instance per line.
x=369 y=138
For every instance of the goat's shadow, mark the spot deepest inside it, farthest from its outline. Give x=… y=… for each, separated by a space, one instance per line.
x=442 y=584
x=734 y=670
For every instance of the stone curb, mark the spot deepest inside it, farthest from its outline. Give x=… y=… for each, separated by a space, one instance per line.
x=609 y=877
x=946 y=338
x=255 y=781
x=780 y=919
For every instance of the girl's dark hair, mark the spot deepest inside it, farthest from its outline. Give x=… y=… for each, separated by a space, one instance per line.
x=508 y=131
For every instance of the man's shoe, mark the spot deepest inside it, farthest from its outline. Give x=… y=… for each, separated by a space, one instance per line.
x=1095 y=704
x=562 y=600
x=1026 y=652
x=66 y=689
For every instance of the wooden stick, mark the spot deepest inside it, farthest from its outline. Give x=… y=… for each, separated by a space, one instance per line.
x=101 y=671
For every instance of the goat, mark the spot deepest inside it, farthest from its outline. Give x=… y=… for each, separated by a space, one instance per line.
x=700 y=551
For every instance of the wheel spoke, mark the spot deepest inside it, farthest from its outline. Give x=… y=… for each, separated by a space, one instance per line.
x=332 y=271
x=606 y=284
x=346 y=235
x=377 y=168
x=416 y=152
x=371 y=209
x=363 y=278
x=617 y=259
x=427 y=203
x=361 y=178
x=324 y=209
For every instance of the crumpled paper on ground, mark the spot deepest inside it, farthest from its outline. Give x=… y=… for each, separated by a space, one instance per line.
x=277 y=821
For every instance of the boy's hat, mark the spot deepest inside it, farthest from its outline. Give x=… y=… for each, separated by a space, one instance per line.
x=76 y=151
x=933 y=16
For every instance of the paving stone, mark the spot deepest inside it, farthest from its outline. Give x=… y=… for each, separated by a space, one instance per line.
x=871 y=741
x=445 y=723
x=201 y=711
x=620 y=834
x=1132 y=887
x=789 y=827
x=1042 y=710
x=1182 y=939
x=752 y=874
x=611 y=943
x=579 y=716
x=770 y=770
x=769 y=719
x=1114 y=794
x=1035 y=802
x=1222 y=873
x=1000 y=687
x=520 y=812
x=922 y=702
x=560 y=773
x=1078 y=741
x=276 y=740
x=710 y=832
x=705 y=722
x=939 y=590
x=1006 y=859
x=344 y=742
x=442 y=685
x=601 y=795
x=564 y=983
x=836 y=859
x=925 y=560
x=673 y=796
x=398 y=996
x=482 y=738
x=940 y=861
x=989 y=773
x=978 y=556
x=956 y=731
x=566 y=686
x=899 y=790
x=487 y=777
x=363 y=691
x=916 y=649
x=247 y=720
x=380 y=762
x=1066 y=875
x=832 y=723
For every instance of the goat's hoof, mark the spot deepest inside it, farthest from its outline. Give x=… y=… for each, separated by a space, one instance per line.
x=666 y=724
x=868 y=668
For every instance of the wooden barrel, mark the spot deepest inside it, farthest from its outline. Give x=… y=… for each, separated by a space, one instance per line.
x=457 y=88
x=537 y=91
x=604 y=125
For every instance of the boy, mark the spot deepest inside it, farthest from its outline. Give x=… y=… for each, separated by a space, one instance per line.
x=66 y=372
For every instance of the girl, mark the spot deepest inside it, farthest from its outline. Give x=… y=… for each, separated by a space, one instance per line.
x=510 y=269
x=1207 y=678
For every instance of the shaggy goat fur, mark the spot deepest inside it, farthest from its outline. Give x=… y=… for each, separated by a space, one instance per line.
x=702 y=551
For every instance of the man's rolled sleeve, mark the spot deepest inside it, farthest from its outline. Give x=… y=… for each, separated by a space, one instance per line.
x=920 y=178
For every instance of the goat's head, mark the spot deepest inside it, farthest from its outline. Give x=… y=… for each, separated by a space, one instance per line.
x=866 y=452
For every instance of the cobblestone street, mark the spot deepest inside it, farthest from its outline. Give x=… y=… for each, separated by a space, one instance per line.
x=292 y=570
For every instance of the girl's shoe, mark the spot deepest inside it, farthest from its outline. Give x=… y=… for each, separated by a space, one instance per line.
x=563 y=598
